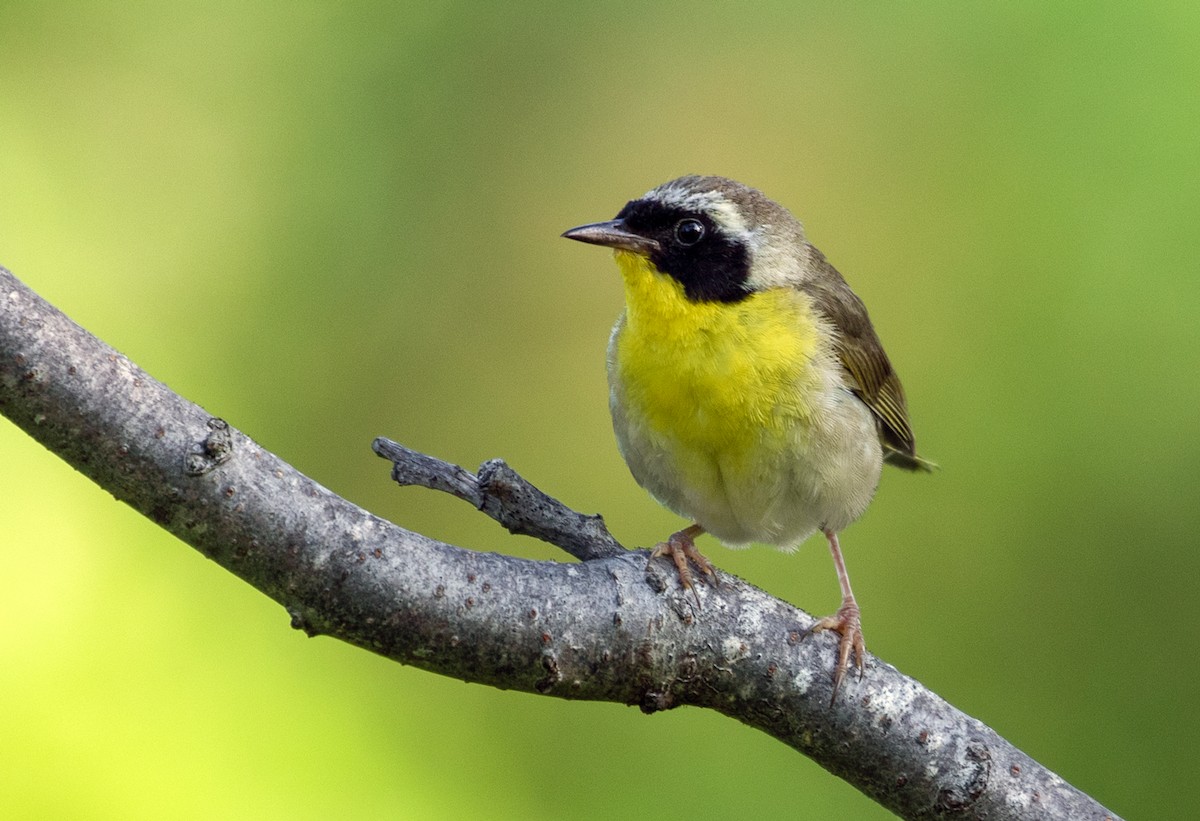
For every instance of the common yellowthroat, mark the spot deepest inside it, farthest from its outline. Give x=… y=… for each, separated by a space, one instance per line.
x=748 y=389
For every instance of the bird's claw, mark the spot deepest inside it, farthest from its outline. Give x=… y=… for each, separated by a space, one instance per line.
x=846 y=622
x=681 y=548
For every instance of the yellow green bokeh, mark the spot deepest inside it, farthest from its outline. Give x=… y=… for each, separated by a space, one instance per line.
x=330 y=222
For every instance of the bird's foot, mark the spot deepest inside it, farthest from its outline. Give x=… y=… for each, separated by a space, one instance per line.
x=845 y=621
x=681 y=548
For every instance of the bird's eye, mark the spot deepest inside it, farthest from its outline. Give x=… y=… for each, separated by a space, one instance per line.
x=689 y=231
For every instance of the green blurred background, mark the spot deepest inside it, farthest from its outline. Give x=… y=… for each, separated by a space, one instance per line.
x=328 y=222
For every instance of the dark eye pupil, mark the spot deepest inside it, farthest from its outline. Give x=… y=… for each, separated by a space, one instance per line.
x=689 y=231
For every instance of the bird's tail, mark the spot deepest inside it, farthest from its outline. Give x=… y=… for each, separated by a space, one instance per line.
x=909 y=461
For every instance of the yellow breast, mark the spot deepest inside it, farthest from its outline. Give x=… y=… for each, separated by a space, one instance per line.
x=718 y=378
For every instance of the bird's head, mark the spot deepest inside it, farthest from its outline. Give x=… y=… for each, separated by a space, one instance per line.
x=720 y=239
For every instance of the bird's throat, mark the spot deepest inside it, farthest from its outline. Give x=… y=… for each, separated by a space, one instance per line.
x=715 y=374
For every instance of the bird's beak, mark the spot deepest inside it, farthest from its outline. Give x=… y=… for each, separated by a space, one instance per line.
x=614 y=234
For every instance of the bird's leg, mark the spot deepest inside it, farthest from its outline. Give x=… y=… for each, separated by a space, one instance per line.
x=681 y=547
x=845 y=621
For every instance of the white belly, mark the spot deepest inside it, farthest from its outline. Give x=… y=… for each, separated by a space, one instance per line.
x=820 y=473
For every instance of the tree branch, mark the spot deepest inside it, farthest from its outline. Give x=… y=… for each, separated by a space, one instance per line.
x=611 y=627
x=500 y=492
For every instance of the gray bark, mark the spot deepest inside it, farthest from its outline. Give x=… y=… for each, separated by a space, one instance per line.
x=610 y=627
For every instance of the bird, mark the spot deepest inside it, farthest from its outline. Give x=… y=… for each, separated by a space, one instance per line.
x=748 y=389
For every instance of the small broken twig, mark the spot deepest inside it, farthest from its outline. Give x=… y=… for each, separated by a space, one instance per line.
x=504 y=495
